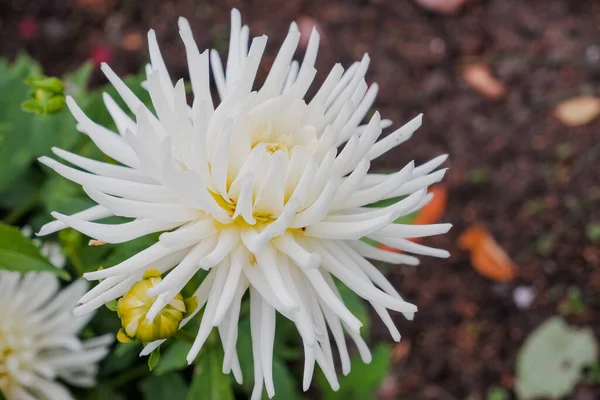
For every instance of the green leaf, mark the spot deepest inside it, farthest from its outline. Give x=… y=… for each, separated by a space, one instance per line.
x=550 y=363
x=18 y=253
x=170 y=386
x=286 y=386
x=12 y=261
x=76 y=82
x=174 y=358
x=209 y=382
x=364 y=379
x=154 y=359
x=104 y=393
x=592 y=231
x=497 y=393
x=122 y=358
x=112 y=305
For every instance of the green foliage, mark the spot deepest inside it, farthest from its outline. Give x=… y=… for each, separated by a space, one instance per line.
x=122 y=357
x=573 y=303
x=170 y=386
x=363 y=380
x=478 y=176
x=593 y=373
x=154 y=359
x=18 y=253
x=209 y=382
x=104 y=393
x=47 y=95
x=550 y=363
x=498 y=393
x=592 y=232
x=173 y=358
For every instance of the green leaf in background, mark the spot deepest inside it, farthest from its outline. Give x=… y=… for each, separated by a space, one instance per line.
x=497 y=393
x=174 y=358
x=286 y=383
x=550 y=363
x=76 y=81
x=209 y=382
x=18 y=253
x=169 y=386
x=363 y=380
x=123 y=357
x=24 y=137
x=104 y=393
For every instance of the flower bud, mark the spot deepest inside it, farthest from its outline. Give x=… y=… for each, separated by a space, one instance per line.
x=135 y=304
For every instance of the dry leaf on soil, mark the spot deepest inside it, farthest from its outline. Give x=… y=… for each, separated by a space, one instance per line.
x=487 y=257
x=441 y=6
x=578 y=110
x=434 y=210
x=480 y=78
x=431 y=213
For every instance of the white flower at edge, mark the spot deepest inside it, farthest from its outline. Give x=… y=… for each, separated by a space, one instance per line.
x=38 y=338
x=257 y=191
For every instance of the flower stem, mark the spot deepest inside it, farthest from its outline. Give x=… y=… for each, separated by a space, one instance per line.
x=77 y=263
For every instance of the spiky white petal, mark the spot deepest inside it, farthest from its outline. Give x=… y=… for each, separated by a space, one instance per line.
x=257 y=192
x=39 y=343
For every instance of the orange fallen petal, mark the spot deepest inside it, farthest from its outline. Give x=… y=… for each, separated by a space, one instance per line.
x=95 y=242
x=434 y=210
x=487 y=257
x=470 y=238
x=386 y=248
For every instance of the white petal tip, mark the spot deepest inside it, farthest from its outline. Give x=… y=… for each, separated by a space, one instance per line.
x=47 y=161
x=78 y=312
x=446 y=227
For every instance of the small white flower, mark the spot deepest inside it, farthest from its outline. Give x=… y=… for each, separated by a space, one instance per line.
x=38 y=338
x=256 y=191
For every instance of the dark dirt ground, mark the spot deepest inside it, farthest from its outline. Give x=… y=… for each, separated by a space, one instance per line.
x=514 y=167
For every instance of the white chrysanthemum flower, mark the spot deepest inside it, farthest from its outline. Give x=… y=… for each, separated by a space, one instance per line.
x=38 y=338
x=258 y=192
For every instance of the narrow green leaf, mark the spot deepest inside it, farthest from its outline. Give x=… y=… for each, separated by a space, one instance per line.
x=154 y=359
x=18 y=253
x=16 y=262
x=209 y=382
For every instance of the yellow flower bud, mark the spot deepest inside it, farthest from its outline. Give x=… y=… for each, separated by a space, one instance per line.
x=135 y=304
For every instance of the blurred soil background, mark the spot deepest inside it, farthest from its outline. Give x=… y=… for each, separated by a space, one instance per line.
x=493 y=79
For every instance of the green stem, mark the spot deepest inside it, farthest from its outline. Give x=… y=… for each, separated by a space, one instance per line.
x=23 y=209
x=129 y=375
x=77 y=263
